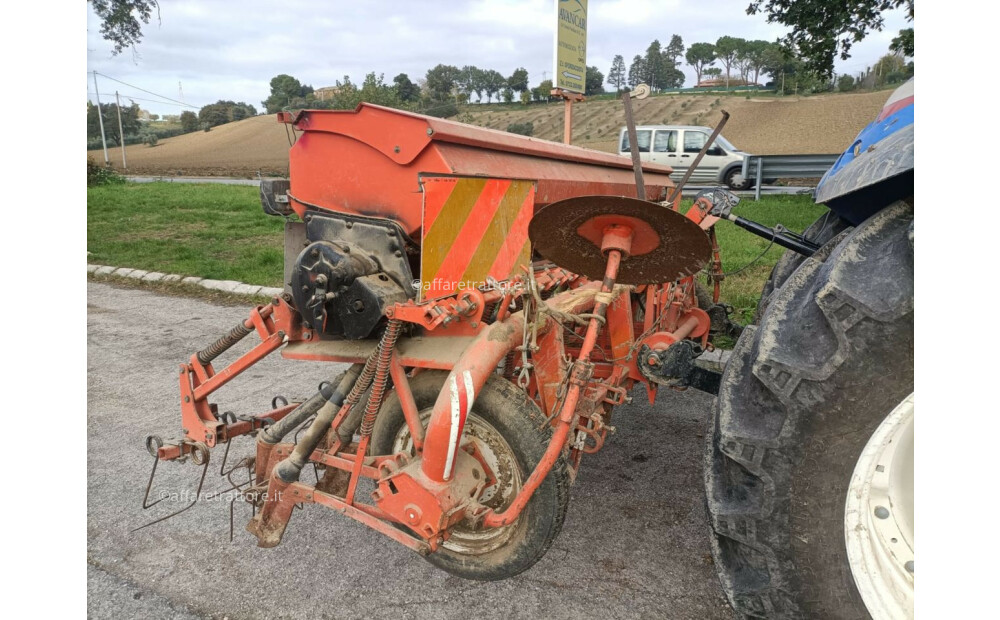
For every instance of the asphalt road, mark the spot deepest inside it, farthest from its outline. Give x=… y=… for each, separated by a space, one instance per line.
x=634 y=544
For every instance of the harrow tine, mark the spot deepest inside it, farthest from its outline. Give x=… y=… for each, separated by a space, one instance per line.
x=199 y=451
x=153 y=445
x=232 y=502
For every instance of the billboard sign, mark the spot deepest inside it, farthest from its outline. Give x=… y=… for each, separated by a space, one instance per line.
x=571 y=46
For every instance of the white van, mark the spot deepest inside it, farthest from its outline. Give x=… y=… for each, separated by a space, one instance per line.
x=678 y=145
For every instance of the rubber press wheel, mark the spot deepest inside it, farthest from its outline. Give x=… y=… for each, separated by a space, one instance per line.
x=802 y=395
x=511 y=433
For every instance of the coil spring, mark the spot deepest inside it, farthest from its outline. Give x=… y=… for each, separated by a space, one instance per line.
x=218 y=347
x=381 y=376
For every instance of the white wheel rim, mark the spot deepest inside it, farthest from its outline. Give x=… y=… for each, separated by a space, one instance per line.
x=878 y=517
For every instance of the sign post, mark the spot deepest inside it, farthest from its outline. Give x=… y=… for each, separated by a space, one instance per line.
x=570 y=58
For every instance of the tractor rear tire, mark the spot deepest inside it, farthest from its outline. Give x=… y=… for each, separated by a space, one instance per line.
x=512 y=434
x=828 y=226
x=800 y=397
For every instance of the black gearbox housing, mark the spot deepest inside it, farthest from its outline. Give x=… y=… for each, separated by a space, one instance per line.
x=352 y=269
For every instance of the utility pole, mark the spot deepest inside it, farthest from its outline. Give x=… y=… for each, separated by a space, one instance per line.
x=100 y=117
x=121 y=133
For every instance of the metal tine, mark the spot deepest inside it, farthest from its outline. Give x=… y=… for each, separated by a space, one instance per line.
x=232 y=503
x=200 y=449
x=153 y=445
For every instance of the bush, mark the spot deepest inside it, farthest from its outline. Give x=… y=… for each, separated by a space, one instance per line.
x=524 y=129
x=150 y=138
x=206 y=127
x=101 y=175
x=441 y=109
x=845 y=83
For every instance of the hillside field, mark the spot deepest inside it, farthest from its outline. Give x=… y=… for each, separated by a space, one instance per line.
x=762 y=125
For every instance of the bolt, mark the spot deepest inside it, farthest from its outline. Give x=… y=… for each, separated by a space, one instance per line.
x=309 y=218
x=430 y=132
x=652 y=360
x=909 y=566
x=396 y=150
x=881 y=512
x=359 y=306
x=390 y=233
x=350 y=224
x=398 y=253
x=187 y=399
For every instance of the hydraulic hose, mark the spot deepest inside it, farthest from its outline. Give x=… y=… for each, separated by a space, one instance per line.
x=288 y=470
x=277 y=431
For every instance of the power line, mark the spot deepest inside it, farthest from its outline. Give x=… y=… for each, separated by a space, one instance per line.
x=147 y=91
x=128 y=96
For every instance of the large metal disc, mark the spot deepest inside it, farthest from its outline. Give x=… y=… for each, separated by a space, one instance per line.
x=668 y=246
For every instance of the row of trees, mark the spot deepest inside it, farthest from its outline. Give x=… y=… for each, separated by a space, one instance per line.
x=439 y=93
x=657 y=67
x=737 y=57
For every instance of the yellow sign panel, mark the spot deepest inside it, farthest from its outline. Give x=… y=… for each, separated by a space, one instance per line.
x=571 y=45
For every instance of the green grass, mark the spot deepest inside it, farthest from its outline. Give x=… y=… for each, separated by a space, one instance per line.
x=220 y=232
x=207 y=230
x=739 y=247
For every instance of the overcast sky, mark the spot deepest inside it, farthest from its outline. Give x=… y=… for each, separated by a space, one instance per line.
x=219 y=49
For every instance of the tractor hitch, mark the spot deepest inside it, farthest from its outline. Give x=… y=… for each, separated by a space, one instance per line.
x=723 y=202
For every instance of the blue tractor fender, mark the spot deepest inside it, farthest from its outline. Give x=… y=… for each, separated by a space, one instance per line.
x=877 y=168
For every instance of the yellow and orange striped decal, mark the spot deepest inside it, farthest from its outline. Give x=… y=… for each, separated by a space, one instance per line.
x=473 y=228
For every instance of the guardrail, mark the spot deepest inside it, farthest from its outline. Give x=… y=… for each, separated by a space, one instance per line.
x=762 y=167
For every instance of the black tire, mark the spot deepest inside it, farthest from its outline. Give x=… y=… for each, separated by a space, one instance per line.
x=730 y=180
x=826 y=227
x=799 y=399
x=521 y=424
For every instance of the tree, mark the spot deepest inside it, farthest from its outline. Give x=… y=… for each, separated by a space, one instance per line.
x=616 y=75
x=756 y=52
x=405 y=89
x=120 y=21
x=726 y=49
x=595 y=81
x=699 y=56
x=903 y=44
x=109 y=111
x=654 y=66
x=636 y=72
x=222 y=112
x=215 y=114
x=845 y=83
x=518 y=81
x=374 y=89
x=542 y=92
x=285 y=90
x=507 y=93
x=492 y=83
x=674 y=50
x=441 y=81
x=821 y=29
x=189 y=121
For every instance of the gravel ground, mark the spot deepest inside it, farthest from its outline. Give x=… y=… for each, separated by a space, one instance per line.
x=634 y=544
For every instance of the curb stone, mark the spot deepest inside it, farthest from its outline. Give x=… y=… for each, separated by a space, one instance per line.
x=226 y=286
